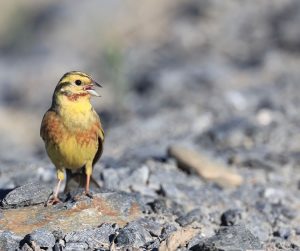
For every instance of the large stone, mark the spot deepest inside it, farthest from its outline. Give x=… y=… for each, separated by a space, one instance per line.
x=113 y=207
x=167 y=230
x=29 y=194
x=133 y=235
x=190 y=217
x=231 y=217
x=42 y=238
x=9 y=241
x=96 y=238
x=26 y=247
x=230 y=238
x=152 y=226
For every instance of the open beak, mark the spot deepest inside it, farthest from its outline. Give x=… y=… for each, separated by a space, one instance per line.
x=90 y=89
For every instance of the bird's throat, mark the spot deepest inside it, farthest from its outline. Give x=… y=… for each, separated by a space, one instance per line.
x=76 y=96
x=76 y=113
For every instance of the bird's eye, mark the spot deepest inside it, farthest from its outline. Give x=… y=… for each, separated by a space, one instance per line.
x=78 y=82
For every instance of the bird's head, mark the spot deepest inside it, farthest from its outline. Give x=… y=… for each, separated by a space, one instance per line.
x=76 y=85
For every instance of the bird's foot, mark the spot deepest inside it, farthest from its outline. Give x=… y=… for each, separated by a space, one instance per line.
x=89 y=194
x=53 y=200
x=81 y=195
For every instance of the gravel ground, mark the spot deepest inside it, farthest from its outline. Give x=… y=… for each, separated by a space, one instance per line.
x=227 y=96
x=258 y=142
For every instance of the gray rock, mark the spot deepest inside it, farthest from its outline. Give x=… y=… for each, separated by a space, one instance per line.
x=123 y=201
x=58 y=234
x=134 y=235
x=257 y=224
x=43 y=238
x=126 y=179
x=138 y=176
x=112 y=177
x=194 y=241
x=273 y=195
x=230 y=238
x=285 y=27
x=9 y=241
x=152 y=226
x=26 y=247
x=231 y=217
x=190 y=217
x=75 y=246
x=96 y=238
x=283 y=233
x=58 y=247
x=280 y=244
x=153 y=245
x=168 y=174
x=231 y=132
x=289 y=213
x=158 y=206
x=167 y=230
x=29 y=194
x=274 y=211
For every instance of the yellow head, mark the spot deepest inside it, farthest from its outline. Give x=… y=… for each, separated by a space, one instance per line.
x=75 y=85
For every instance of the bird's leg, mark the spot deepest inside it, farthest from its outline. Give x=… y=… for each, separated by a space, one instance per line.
x=87 y=187
x=88 y=171
x=54 y=199
x=57 y=190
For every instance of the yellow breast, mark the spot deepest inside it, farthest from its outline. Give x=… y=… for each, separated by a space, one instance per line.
x=73 y=135
x=73 y=152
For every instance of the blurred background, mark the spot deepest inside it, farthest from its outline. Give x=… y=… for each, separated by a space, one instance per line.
x=170 y=69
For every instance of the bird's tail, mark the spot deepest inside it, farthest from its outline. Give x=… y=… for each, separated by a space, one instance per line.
x=76 y=180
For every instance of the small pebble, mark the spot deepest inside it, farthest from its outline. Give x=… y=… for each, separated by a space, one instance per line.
x=43 y=238
x=283 y=233
x=231 y=217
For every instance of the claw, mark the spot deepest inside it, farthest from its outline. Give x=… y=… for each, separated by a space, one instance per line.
x=53 y=201
x=53 y=198
x=89 y=194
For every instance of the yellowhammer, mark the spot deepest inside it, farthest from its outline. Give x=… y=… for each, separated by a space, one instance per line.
x=71 y=129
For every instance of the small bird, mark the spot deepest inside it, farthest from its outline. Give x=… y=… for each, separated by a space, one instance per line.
x=72 y=130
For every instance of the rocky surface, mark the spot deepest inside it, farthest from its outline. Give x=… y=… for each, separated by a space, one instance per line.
x=201 y=114
x=230 y=238
x=111 y=207
x=29 y=194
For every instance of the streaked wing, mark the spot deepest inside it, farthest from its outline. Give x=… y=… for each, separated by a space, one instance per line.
x=50 y=126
